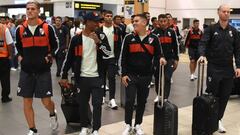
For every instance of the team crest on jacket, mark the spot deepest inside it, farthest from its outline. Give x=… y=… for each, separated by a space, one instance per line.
x=102 y=36
x=41 y=31
x=230 y=33
x=150 y=40
x=169 y=34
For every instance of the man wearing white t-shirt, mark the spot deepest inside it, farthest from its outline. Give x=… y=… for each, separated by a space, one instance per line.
x=86 y=52
x=5 y=50
x=113 y=34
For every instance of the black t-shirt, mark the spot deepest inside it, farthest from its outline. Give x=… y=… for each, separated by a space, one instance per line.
x=62 y=33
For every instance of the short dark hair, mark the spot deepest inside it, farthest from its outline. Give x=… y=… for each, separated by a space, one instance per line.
x=58 y=17
x=108 y=12
x=132 y=16
x=162 y=16
x=153 y=18
x=141 y=16
x=195 y=20
x=116 y=16
x=168 y=14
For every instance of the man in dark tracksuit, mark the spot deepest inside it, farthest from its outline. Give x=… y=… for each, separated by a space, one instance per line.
x=192 y=41
x=62 y=33
x=86 y=53
x=36 y=42
x=168 y=42
x=114 y=36
x=137 y=71
x=220 y=42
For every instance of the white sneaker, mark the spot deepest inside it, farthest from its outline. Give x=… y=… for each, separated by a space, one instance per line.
x=152 y=84
x=84 y=131
x=95 y=132
x=32 y=133
x=127 y=130
x=112 y=104
x=103 y=100
x=171 y=80
x=54 y=121
x=195 y=77
x=221 y=128
x=192 y=77
x=139 y=130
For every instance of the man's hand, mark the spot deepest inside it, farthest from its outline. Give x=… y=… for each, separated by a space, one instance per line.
x=64 y=83
x=162 y=61
x=237 y=72
x=94 y=36
x=20 y=58
x=125 y=80
x=175 y=64
x=48 y=58
x=202 y=59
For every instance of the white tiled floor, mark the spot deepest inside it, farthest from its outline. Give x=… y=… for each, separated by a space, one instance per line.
x=231 y=121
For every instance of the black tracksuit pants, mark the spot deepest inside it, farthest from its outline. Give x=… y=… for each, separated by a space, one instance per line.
x=5 y=76
x=110 y=71
x=137 y=86
x=168 y=71
x=60 y=57
x=220 y=84
x=90 y=86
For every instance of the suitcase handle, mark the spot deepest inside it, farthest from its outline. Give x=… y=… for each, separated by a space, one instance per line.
x=161 y=83
x=200 y=78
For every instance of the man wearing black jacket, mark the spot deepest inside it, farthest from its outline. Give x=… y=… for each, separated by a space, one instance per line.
x=169 y=45
x=114 y=37
x=220 y=42
x=138 y=51
x=36 y=42
x=86 y=53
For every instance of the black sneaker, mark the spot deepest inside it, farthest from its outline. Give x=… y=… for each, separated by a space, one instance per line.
x=6 y=100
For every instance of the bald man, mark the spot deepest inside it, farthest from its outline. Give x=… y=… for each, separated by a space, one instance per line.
x=219 y=44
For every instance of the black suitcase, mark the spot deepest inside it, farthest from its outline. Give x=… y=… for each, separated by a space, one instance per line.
x=165 y=113
x=205 y=109
x=69 y=104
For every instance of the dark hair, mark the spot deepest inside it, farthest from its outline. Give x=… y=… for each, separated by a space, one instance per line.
x=141 y=16
x=145 y=13
x=168 y=14
x=58 y=17
x=43 y=17
x=132 y=16
x=116 y=16
x=195 y=20
x=108 y=12
x=153 y=18
x=162 y=16
x=77 y=22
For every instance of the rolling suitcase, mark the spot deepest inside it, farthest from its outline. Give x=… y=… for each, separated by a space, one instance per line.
x=165 y=114
x=69 y=104
x=205 y=109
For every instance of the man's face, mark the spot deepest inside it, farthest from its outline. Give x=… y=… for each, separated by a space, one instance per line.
x=108 y=18
x=58 y=21
x=224 y=13
x=163 y=22
x=118 y=21
x=139 y=24
x=170 y=20
x=196 y=25
x=32 y=11
x=2 y=21
x=148 y=16
x=92 y=25
x=155 y=23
